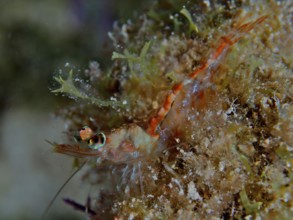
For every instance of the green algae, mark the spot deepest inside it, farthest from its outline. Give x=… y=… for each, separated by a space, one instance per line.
x=68 y=87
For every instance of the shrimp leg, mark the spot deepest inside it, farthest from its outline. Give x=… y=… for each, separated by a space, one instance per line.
x=212 y=62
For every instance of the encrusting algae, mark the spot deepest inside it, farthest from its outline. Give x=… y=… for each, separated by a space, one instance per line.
x=194 y=118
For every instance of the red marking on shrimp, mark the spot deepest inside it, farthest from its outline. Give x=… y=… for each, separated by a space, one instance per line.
x=199 y=70
x=170 y=98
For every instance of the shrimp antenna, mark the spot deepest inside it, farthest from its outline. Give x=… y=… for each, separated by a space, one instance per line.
x=60 y=189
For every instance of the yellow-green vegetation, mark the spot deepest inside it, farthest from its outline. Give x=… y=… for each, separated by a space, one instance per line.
x=68 y=87
x=227 y=141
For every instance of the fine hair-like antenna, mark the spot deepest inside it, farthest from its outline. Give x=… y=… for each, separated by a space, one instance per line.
x=45 y=213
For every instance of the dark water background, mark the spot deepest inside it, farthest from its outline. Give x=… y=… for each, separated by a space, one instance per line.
x=37 y=38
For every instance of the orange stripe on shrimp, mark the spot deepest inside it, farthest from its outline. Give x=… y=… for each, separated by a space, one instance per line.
x=213 y=61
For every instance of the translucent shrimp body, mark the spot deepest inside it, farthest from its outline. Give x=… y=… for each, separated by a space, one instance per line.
x=132 y=141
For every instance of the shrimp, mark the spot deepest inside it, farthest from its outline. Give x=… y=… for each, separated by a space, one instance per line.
x=132 y=141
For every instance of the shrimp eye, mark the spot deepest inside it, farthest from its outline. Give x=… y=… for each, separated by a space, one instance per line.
x=98 y=141
x=86 y=133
